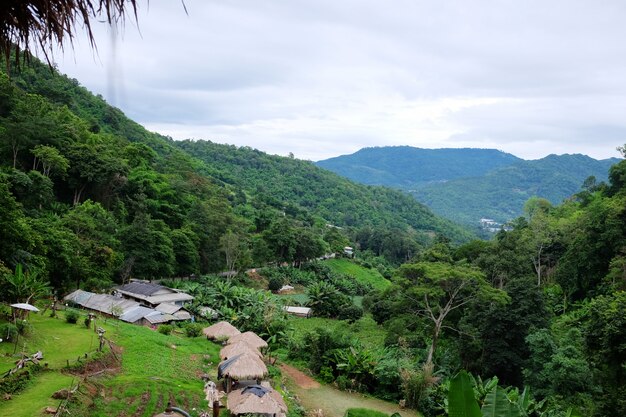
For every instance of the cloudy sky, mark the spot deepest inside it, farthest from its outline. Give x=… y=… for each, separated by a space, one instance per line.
x=321 y=78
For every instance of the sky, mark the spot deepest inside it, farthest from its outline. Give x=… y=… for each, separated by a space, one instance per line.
x=321 y=78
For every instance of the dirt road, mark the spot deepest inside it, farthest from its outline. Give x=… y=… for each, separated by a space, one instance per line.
x=334 y=402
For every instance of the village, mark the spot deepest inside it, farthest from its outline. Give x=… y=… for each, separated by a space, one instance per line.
x=242 y=370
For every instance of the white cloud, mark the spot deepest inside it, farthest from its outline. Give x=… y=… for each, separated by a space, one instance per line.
x=328 y=77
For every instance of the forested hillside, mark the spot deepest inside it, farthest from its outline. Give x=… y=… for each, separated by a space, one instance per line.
x=466 y=185
x=90 y=197
x=501 y=193
x=407 y=167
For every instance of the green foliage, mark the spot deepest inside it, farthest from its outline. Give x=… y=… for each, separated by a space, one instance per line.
x=363 y=412
x=8 y=331
x=275 y=283
x=193 y=329
x=165 y=329
x=461 y=401
x=71 y=316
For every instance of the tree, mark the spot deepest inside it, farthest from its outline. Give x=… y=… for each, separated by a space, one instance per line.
x=235 y=249
x=149 y=244
x=50 y=23
x=435 y=289
x=24 y=286
x=50 y=159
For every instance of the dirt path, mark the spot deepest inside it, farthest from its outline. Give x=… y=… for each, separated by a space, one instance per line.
x=301 y=379
x=333 y=402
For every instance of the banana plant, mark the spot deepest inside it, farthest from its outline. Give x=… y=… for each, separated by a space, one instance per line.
x=498 y=405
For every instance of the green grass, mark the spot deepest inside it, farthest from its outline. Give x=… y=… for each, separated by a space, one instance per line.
x=37 y=395
x=359 y=273
x=365 y=330
x=295 y=298
x=364 y=412
x=57 y=340
x=155 y=369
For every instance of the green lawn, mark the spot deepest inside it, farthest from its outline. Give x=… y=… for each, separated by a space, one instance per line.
x=359 y=273
x=155 y=369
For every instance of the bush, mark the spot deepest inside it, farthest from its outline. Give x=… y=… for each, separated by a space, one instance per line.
x=165 y=329
x=350 y=312
x=23 y=327
x=8 y=331
x=71 y=316
x=275 y=283
x=193 y=330
x=87 y=322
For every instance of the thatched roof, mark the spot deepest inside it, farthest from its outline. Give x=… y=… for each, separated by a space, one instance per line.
x=255 y=399
x=243 y=366
x=229 y=351
x=221 y=331
x=250 y=338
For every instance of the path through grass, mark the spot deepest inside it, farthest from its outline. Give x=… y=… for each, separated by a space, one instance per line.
x=334 y=402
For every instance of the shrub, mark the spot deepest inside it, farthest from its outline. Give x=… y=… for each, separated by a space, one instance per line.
x=8 y=331
x=350 y=312
x=193 y=330
x=23 y=327
x=275 y=283
x=87 y=322
x=71 y=316
x=165 y=329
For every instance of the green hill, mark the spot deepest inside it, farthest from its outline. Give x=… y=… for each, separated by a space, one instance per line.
x=407 y=167
x=501 y=193
x=465 y=185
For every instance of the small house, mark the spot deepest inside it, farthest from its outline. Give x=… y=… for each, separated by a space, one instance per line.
x=151 y=295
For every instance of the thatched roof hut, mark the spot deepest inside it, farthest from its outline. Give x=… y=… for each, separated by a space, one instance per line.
x=250 y=338
x=255 y=399
x=220 y=331
x=229 y=351
x=241 y=367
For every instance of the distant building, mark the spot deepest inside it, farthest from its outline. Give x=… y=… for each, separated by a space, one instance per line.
x=348 y=251
x=298 y=311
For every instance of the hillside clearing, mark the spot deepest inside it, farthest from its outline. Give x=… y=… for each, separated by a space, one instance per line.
x=359 y=273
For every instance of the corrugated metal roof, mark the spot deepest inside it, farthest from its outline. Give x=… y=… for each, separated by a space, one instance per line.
x=78 y=296
x=169 y=298
x=168 y=308
x=158 y=317
x=141 y=288
x=135 y=314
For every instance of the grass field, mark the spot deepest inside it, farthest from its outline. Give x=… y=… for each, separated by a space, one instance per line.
x=359 y=273
x=155 y=369
x=365 y=330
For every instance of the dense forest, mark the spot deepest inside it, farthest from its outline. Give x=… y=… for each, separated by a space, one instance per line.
x=537 y=314
x=469 y=184
x=90 y=197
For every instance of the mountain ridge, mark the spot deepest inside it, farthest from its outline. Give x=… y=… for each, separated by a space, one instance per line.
x=466 y=190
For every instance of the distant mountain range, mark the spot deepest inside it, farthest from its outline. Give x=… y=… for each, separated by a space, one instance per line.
x=466 y=185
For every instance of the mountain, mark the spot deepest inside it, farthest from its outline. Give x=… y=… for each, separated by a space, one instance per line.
x=466 y=185
x=297 y=185
x=407 y=167
x=500 y=194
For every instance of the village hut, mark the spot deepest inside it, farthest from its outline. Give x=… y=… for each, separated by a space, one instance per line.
x=256 y=399
x=229 y=351
x=250 y=338
x=220 y=331
x=244 y=366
